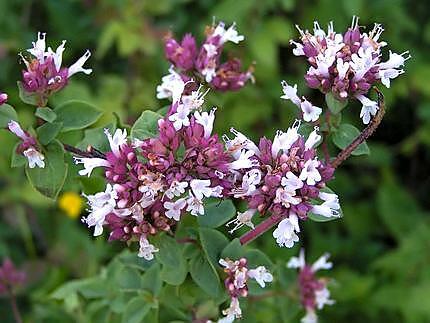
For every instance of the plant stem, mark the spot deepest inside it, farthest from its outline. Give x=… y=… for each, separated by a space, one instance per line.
x=90 y=153
x=260 y=229
x=14 y=306
x=366 y=133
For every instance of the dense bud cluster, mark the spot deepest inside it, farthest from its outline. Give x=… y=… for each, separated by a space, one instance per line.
x=313 y=291
x=190 y=62
x=10 y=277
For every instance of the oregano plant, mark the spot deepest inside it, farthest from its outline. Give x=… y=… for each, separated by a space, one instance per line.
x=173 y=187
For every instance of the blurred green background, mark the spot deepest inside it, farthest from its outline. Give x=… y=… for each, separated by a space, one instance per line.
x=380 y=249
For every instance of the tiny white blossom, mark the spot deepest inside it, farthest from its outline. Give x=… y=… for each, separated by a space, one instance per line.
x=284 y=140
x=290 y=93
x=146 y=250
x=239 y=142
x=211 y=50
x=285 y=233
x=388 y=74
x=16 y=129
x=330 y=207
x=57 y=55
x=322 y=263
x=298 y=50
x=195 y=206
x=195 y=100
x=173 y=209
x=116 y=141
x=206 y=120
x=261 y=275
x=201 y=188
x=244 y=161
x=90 y=164
x=322 y=297
x=233 y=312
x=172 y=86
x=310 y=112
x=230 y=34
x=242 y=218
x=291 y=182
x=78 y=66
x=342 y=67
x=249 y=183
x=176 y=189
x=180 y=118
x=310 y=317
x=286 y=197
x=395 y=60
x=310 y=172
x=148 y=196
x=362 y=62
x=368 y=109
x=39 y=47
x=313 y=139
x=34 y=157
x=297 y=262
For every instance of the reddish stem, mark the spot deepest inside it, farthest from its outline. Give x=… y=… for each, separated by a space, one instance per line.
x=14 y=306
x=260 y=229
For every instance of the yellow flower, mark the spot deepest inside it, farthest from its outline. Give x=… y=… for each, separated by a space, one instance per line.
x=71 y=203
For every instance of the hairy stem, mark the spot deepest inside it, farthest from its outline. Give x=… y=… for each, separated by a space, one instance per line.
x=260 y=229
x=366 y=133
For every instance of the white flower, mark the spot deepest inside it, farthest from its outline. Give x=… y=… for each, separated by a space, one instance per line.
x=148 y=196
x=90 y=164
x=285 y=233
x=217 y=191
x=310 y=317
x=342 y=67
x=242 y=218
x=201 y=188
x=330 y=207
x=195 y=100
x=230 y=34
x=118 y=140
x=290 y=93
x=322 y=263
x=209 y=71
x=313 y=139
x=211 y=50
x=249 y=183
x=322 y=297
x=244 y=160
x=180 y=118
x=291 y=182
x=297 y=262
x=173 y=209
x=368 y=109
x=284 y=140
x=206 y=120
x=286 y=197
x=176 y=189
x=57 y=55
x=101 y=204
x=310 y=112
x=232 y=312
x=324 y=61
x=362 y=62
x=146 y=250
x=172 y=86
x=16 y=129
x=195 y=206
x=239 y=142
x=261 y=275
x=395 y=60
x=310 y=172
x=39 y=47
x=388 y=74
x=298 y=50
x=34 y=158
x=78 y=66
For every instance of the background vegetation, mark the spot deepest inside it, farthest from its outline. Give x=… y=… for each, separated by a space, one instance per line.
x=380 y=248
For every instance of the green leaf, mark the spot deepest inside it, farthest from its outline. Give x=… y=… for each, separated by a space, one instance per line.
x=46 y=114
x=7 y=113
x=50 y=179
x=146 y=126
x=346 y=134
x=27 y=97
x=205 y=275
x=217 y=213
x=136 y=310
x=129 y=278
x=234 y=250
x=151 y=280
x=174 y=275
x=48 y=131
x=76 y=115
x=97 y=138
x=334 y=104
x=213 y=242
x=17 y=160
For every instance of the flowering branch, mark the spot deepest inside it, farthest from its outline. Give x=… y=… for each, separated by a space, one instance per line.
x=366 y=133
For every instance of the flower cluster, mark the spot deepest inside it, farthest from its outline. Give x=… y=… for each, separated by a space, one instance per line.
x=44 y=75
x=283 y=177
x=348 y=64
x=3 y=98
x=313 y=291
x=236 y=284
x=10 y=277
x=29 y=147
x=204 y=63
x=152 y=183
